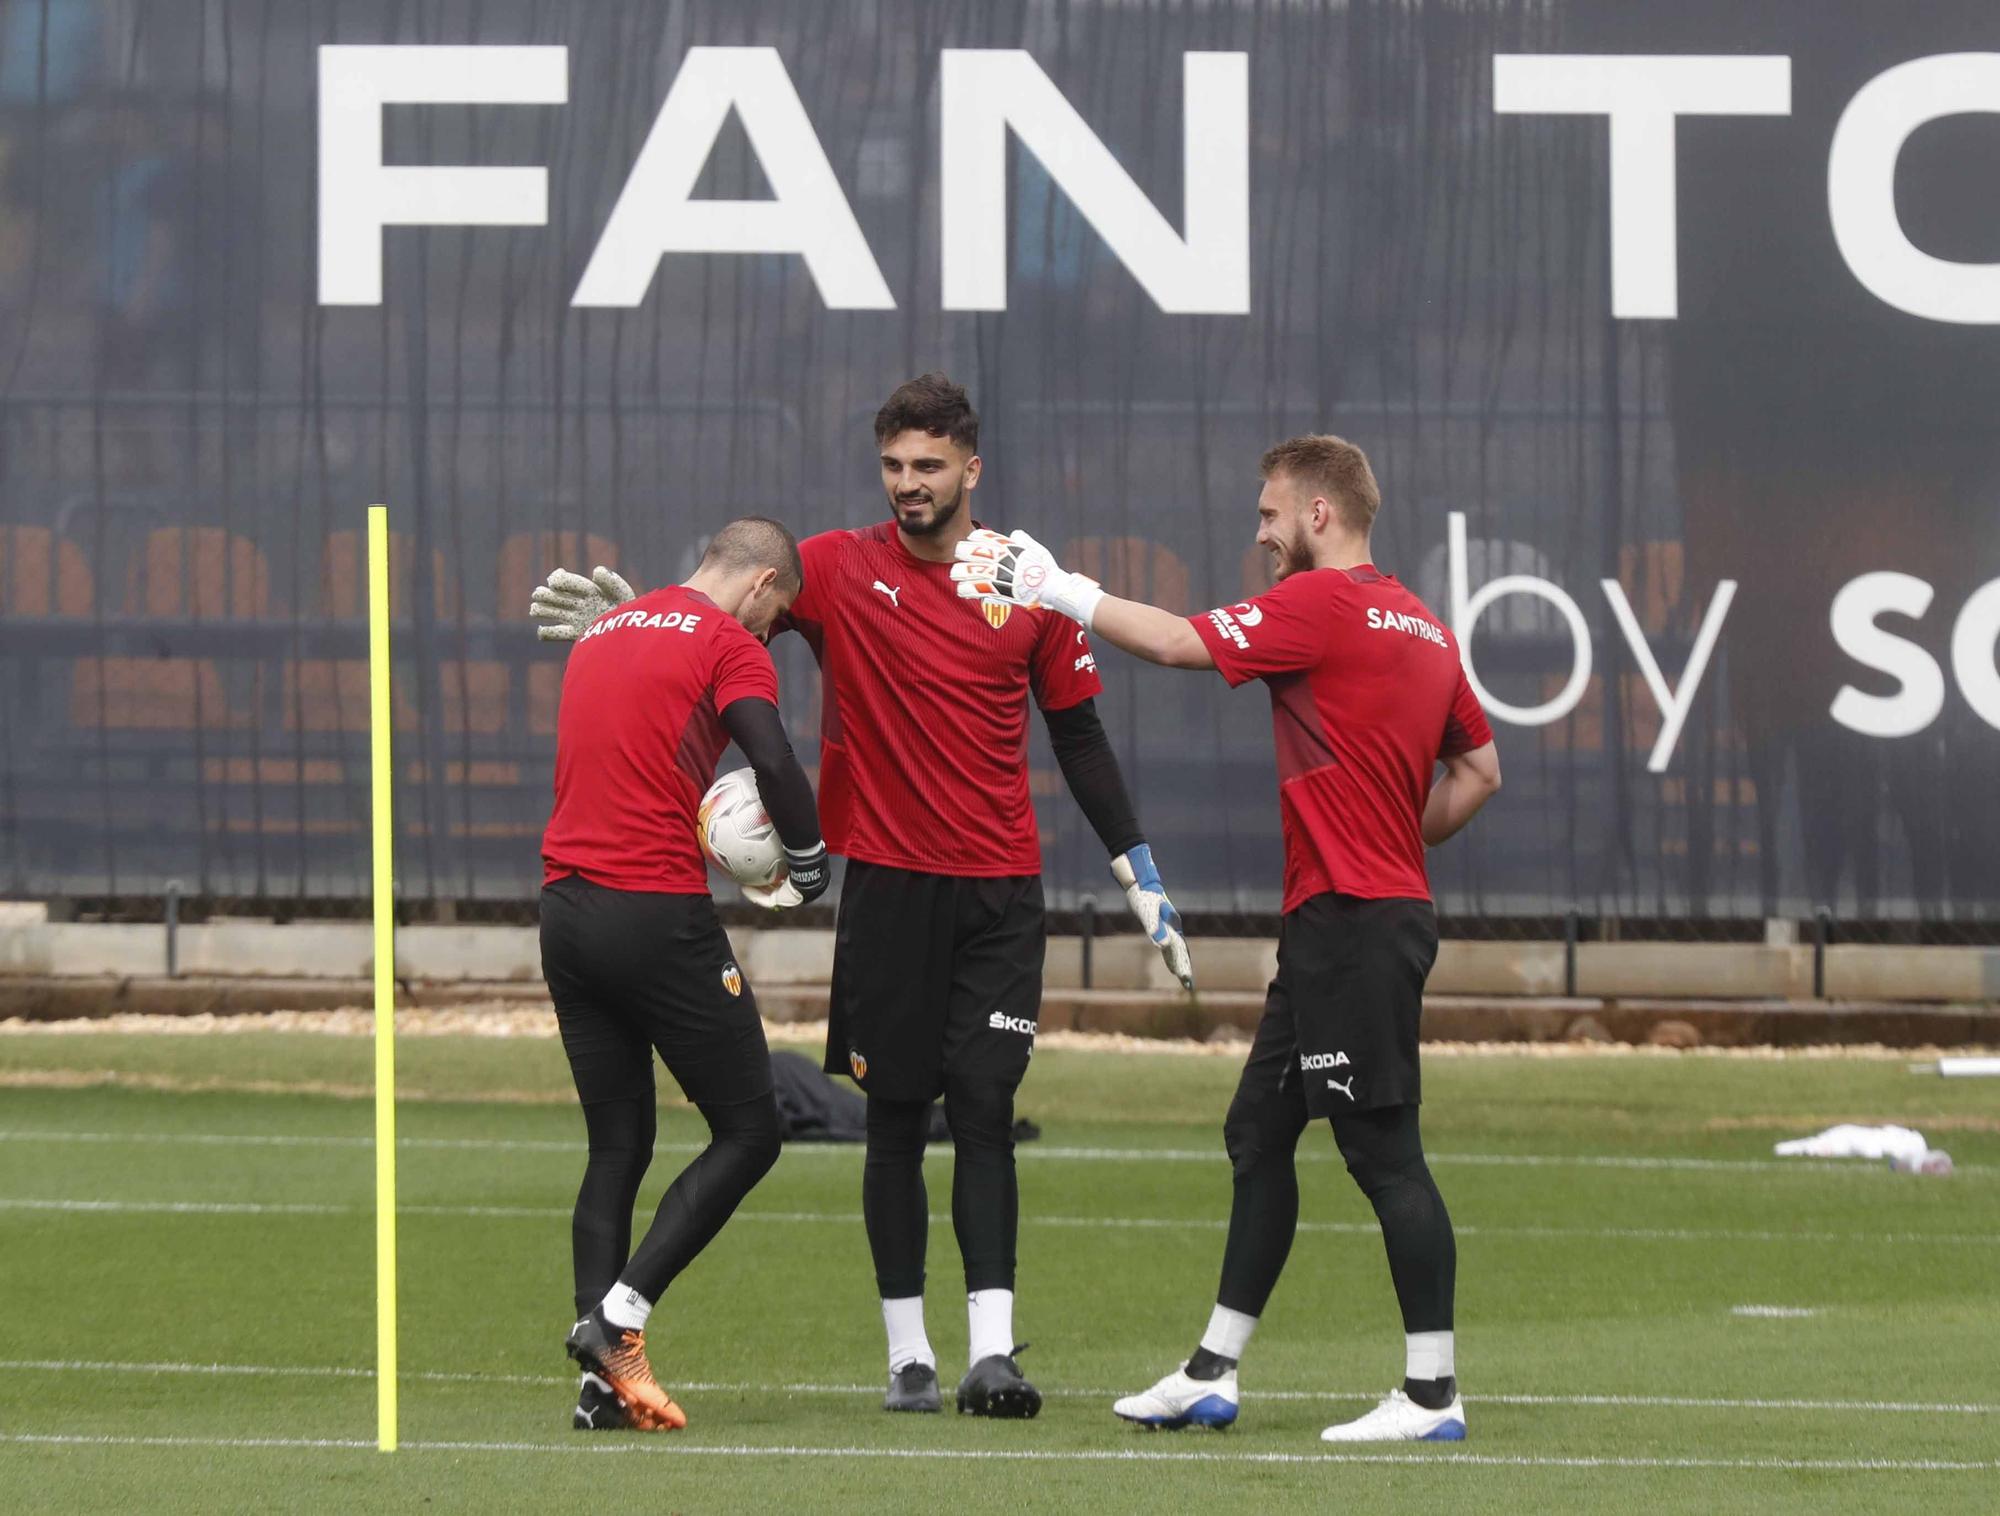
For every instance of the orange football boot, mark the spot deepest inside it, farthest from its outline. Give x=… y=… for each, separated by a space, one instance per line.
x=618 y=1356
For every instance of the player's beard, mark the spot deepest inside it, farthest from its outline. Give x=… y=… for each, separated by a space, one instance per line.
x=943 y=513
x=1291 y=556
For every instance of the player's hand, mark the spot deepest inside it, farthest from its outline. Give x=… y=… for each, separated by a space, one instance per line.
x=569 y=602
x=806 y=879
x=1148 y=899
x=1018 y=570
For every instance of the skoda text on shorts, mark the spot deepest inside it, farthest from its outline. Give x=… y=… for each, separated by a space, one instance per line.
x=635 y=958
x=937 y=976
x=1368 y=698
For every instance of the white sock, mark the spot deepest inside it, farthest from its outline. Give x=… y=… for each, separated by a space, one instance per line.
x=1228 y=1332
x=1428 y=1355
x=625 y=1307
x=990 y=1316
x=903 y=1320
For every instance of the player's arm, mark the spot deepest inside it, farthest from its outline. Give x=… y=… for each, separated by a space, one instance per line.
x=1147 y=632
x=1468 y=782
x=1018 y=570
x=1090 y=769
x=756 y=728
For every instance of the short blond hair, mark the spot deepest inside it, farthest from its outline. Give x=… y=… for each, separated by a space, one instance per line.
x=1333 y=467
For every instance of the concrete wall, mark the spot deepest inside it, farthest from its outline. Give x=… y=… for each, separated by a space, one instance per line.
x=33 y=948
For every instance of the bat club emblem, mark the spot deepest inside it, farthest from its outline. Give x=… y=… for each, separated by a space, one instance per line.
x=732 y=979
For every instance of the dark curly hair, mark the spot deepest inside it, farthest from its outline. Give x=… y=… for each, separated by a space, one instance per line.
x=929 y=403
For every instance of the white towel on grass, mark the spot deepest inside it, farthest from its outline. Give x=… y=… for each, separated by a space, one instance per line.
x=1850 y=1141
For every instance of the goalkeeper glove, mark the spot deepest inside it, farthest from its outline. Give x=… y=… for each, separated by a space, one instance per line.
x=1018 y=570
x=569 y=602
x=806 y=879
x=1148 y=898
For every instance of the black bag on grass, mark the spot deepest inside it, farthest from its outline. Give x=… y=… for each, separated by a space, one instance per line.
x=814 y=1108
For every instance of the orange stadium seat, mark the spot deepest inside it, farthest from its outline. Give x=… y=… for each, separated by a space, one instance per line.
x=331 y=694
x=1259 y=572
x=1133 y=567
x=525 y=561
x=41 y=574
x=199 y=572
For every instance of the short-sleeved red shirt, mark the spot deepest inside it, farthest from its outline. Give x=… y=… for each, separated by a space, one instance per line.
x=637 y=736
x=925 y=707
x=1367 y=694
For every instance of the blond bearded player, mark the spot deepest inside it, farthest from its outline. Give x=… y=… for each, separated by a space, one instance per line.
x=937 y=972
x=1368 y=698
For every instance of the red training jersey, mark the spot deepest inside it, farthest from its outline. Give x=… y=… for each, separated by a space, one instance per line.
x=1367 y=693
x=924 y=705
x=637 y=736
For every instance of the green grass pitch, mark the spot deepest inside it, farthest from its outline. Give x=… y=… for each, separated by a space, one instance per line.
x=186 y=1296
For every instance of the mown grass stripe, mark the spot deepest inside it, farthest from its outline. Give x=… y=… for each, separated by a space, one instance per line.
x=86 y=1206
x=1027 y=1152
x=422 y=1376
x=673 y=1447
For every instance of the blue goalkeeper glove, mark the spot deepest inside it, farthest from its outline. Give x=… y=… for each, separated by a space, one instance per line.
x=1140 y=876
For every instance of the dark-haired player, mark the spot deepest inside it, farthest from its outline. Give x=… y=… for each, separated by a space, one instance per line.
x=937 y=974
x=1368 y=698
x=635 y=958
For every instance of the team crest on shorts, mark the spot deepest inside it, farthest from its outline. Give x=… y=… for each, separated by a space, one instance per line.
x=857 y=1065
x=732 y=979
x=996 y=614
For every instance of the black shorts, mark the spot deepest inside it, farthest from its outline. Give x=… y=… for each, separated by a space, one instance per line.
x=1343 y=1013
x=934 y=975
x=632 y=973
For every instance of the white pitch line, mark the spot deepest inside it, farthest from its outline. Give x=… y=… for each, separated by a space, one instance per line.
x=1774 y=1312
x=1602 y=1402
x=1088 y=1223
x=673 y=1448
x=177 y=1207
x=1027 y=1152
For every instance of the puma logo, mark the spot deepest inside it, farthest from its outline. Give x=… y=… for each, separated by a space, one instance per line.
x=891 y=593
x=1346 y=1089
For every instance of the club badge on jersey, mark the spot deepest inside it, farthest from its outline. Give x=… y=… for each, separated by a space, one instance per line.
x=996 y=614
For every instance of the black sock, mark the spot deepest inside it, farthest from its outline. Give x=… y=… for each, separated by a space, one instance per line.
x=1432 y=1394
x=1203 y=1364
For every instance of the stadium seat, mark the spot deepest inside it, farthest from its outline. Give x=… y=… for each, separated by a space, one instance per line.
x=41 y=574
x=1259 y=572
x=1134 y=567
x=1652 y=574
x=343 y=579
x=331 y=695
x=200 y=573
x=525 y=561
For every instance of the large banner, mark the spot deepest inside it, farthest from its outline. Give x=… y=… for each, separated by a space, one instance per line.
x=1671 y=331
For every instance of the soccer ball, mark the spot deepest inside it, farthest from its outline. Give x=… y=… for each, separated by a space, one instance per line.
x=737 y=833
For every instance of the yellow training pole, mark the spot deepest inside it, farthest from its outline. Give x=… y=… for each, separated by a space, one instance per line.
x=382 y=779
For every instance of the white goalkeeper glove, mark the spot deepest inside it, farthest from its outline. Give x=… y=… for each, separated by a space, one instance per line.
x=1018 y=570
x=569 y=602
x=807 y=875
x=1148 y=899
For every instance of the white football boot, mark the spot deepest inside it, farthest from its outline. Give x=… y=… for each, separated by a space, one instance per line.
x=1178 y=1401
x=1401 y=1419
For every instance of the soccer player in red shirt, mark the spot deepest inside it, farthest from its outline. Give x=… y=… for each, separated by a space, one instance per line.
x=937 y=972
x=635 y=958
x=1368 y=698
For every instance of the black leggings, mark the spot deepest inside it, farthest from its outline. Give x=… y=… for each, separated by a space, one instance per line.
x=985 y=1200
x=632 y=975
x=1385 y=1155
x=744 y=1142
